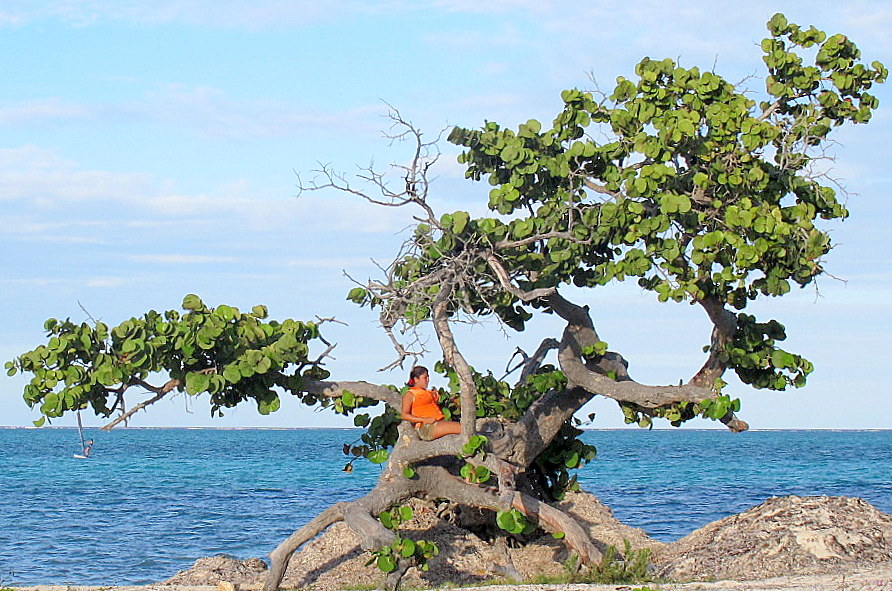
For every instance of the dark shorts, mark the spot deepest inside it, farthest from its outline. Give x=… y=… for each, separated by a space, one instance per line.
x=425 y=431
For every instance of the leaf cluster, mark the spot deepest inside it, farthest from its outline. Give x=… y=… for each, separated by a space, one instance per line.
x=420 y=552
x=230 y=355
x=515 y=522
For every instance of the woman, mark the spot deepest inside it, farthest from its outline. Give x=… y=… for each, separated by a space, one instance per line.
x=420 y=407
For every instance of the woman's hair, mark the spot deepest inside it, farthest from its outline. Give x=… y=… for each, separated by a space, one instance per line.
x=417 y=372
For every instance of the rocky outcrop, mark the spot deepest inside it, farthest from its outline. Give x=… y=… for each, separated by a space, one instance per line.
x=781 y=536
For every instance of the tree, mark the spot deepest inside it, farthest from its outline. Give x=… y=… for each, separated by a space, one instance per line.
x=698 y=192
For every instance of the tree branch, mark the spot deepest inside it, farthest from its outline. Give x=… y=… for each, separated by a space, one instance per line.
x=455 y=359
x=159 y=394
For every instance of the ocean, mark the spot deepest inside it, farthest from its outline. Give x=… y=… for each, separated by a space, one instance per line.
x=150 y=502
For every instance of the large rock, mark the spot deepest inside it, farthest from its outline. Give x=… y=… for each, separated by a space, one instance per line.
x=781 y=536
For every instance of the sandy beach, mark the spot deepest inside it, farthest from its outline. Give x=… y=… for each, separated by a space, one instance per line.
x=869 y=578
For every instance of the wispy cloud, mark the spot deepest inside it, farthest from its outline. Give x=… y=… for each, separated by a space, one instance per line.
x=181 y=259
x=44 y=178
x=206 y=111
x=43 y=111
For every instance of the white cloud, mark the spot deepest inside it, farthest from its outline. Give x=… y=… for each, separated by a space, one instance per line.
x=44 y=178
x=43 y=111
x=205 y=110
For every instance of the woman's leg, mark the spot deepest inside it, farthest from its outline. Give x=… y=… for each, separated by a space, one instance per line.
x=442 y=428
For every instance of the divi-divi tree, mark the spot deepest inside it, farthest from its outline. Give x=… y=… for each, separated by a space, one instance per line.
x=697 y=190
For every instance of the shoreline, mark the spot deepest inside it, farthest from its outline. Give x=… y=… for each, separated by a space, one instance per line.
x=342 y=428
x=855 y=578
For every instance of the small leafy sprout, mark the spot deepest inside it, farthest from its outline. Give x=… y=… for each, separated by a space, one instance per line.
x=474 y=446
x=475 y=474
x=386 y=558
x=514 y=522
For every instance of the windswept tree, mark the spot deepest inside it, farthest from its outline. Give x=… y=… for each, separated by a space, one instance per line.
x=676 y=180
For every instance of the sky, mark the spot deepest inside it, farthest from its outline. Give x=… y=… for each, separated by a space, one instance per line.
x=152 y=149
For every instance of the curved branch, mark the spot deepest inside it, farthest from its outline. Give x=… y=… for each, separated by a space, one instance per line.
x=325 y=389
x=282 y=554
x=505 y=282
x=580 y=332
x=159 y=394
x=724 y=327
x=554 y=520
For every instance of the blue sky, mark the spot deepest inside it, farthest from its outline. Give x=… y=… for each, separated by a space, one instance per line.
x=150 y=150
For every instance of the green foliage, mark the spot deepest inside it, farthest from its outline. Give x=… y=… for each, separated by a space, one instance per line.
x=419 y=551
x=395 y=516
x=566 y=452
x=514 y=522
x=474 y=445
x=759 y=362
x=227 y=354
x=698 y=193
x=632 y=567
x=475 y=474
x=718 y=204
x=380 y=435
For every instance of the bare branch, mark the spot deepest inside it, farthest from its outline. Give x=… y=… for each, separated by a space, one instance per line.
x=159 y=394
x=455 y=359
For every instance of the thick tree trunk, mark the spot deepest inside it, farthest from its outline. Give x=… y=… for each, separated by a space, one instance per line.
x=513 y=446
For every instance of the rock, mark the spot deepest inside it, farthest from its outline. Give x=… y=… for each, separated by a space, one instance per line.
x=226 y=572
x=781 y=536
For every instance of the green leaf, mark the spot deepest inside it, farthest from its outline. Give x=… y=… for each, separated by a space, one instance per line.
x=386 y=564
x=231 y=373
x=782 y=359
x=357 y=295
x=409 y=472
x=192 y=302
x=269 y=405
x=196 y=382
x=459 y=221
x=260 y=311
x=405 y=513
x=378 y=456
x=348 y=399
x=506 y=521
x=572 y=460
x=407 y=548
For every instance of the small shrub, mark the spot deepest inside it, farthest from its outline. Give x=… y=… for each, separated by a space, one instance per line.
x=613 y=569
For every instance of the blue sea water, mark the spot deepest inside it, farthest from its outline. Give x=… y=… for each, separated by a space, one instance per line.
x=152 y=501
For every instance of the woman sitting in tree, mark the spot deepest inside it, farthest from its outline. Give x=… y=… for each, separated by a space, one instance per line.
x=420 y=407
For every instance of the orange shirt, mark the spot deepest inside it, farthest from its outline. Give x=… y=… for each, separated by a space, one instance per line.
x=424 y=403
